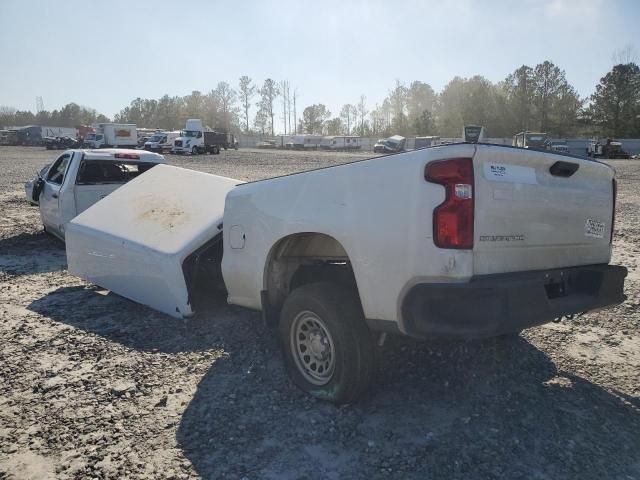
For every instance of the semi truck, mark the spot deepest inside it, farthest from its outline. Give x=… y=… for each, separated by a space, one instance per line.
x=112 y=135
x=463 y=241
x=196 y=139
x=36 y=134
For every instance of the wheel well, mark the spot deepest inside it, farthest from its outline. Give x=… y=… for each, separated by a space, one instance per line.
x=301 y=259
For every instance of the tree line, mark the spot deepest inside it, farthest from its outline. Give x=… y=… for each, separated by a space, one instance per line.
x=531 y=98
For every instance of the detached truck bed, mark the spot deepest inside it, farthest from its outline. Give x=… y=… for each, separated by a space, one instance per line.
x=459 y=240
x=136 y=241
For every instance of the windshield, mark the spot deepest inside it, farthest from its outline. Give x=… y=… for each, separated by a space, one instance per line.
x=91 y=136
x=535 y=139
x=472 y=133
x=155 y=138
x=189 y=133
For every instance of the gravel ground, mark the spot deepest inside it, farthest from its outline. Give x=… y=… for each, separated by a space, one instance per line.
x=95 y=386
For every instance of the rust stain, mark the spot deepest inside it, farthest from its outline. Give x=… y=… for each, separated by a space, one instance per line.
x=162 y=212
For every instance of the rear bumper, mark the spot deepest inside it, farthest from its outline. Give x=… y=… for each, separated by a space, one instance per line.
x=491 y=305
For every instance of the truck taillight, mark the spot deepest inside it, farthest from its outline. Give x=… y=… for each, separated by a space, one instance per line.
x=130 y=156
x=453 y=218
x=614 y=187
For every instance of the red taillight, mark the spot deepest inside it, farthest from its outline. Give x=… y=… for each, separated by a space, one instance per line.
x=453 y=218
x=614 y=186
x=130 y=156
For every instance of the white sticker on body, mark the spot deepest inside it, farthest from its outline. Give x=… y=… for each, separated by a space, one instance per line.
x=593 y=228
x=498 y=172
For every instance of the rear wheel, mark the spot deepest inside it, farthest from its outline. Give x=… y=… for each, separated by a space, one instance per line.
x=328 y=349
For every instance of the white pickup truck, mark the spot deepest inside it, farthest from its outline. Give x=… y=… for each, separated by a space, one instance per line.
x=459 y=240
x=79 y=178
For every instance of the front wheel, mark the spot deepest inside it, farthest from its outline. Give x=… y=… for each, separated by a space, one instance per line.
x=194 y=150
x=328 y=349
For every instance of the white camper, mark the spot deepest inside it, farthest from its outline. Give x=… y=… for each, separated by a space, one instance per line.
x=340 y=142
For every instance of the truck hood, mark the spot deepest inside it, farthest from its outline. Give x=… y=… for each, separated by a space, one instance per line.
x=134 y=241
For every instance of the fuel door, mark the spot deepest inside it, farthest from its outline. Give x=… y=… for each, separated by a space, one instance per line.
x=236 y=237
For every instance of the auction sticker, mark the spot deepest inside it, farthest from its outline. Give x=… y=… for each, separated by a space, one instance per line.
x=593 y=228
x=499 y=172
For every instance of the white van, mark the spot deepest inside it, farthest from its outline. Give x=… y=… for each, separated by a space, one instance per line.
x=161 y=141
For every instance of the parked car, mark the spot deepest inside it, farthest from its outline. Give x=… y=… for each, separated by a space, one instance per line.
x=61 y=143
x=394 y=144
x=378 y=147
x=474 y=262
x=28 y=186
x=79 y=178
x=268 y=144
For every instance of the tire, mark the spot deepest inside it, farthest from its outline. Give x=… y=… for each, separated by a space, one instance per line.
x=194 y=150
x=342 y=368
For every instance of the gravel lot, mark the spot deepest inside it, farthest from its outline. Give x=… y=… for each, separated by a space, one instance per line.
x=95 y=386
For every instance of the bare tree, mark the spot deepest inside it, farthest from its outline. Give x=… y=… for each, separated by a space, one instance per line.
x=247 y=91
x=362 y=112
x=625 y=55
x=284 y=89
x=227 y=97
x=295 y=118
x=269 y=92
x=348 y=116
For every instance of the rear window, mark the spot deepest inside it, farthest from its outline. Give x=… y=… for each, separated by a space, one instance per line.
x=97 y=172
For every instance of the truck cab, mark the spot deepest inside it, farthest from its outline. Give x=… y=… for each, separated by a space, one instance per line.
x=191 y=139
x=79 y=178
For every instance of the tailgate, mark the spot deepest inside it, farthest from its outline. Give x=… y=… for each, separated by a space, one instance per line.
x=532 y=212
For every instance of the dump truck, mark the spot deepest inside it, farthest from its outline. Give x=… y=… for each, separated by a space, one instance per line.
x=462 y=241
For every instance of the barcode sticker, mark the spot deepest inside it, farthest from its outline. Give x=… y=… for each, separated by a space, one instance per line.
x=593 y=228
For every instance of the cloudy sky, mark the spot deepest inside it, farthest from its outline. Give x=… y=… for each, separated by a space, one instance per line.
x=104 y=54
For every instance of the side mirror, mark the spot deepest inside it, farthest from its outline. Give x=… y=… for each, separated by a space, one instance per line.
x=199 y=134
x=37 y=189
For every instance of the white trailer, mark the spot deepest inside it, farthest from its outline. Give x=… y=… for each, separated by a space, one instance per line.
x=304 y=142
x=341 y=142
x=59 y=132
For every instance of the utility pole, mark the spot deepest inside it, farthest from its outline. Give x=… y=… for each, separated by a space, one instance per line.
x=295 y=118
x=283 y=87
x=289 y=106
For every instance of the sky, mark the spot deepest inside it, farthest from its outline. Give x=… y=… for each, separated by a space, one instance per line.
x=105 y=54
